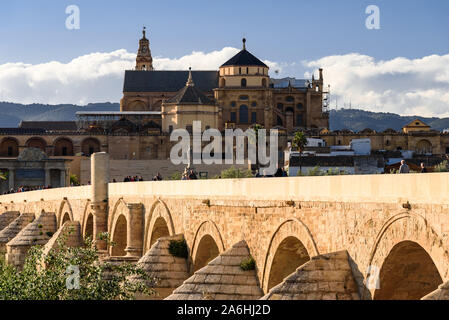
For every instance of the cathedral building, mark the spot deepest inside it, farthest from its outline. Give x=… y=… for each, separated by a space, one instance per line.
x=242 y=91
x=239 y=94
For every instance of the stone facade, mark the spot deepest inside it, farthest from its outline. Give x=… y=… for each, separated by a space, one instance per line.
x=385 y=223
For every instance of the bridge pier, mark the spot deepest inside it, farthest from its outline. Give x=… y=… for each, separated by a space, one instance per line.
x=99 y=205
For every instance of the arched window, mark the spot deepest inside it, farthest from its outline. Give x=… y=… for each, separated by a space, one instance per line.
x=243 y=114
x=222 y=83
x=90 y=146
x=264 y=82
x=243 y=84
x=9 y=147
x=299 y=106
x=63 y=147
x=233 y=103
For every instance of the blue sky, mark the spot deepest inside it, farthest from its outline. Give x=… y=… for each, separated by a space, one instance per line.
x=401 y=68
x=34 y=31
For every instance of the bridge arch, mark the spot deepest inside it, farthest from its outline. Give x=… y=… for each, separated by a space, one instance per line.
x=207 y=244
x=86 y=219
x=291 y=245
x=408 y=273
x=65 y=213
x=406 y=241
x=158 y=223
x=119 y=236
x=117 y=226
x=88 y=228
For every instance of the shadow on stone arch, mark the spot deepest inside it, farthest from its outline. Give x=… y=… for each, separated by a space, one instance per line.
x=65 y=218
x=408 y=273
x=119 y=237
x=160 y=229
x=89 y=228
x=206 y=252
x=290 y=254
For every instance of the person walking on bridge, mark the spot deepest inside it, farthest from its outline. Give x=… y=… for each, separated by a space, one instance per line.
x=404 y=168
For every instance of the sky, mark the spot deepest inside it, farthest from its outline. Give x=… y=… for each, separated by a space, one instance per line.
x=403 y=67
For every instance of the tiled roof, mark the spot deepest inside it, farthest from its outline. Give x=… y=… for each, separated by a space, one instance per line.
x=189 y=95
x=222 y=279
x=49 y=125
x=14 y=131
x=244 y=58
x=168 y=81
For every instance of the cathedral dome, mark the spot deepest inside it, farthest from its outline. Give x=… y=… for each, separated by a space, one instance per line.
x=244 y=58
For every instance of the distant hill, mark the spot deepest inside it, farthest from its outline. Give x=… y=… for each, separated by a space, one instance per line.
x=357 y=120
x=12 y=113
x=353 y=119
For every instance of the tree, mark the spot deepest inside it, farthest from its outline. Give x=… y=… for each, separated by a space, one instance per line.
x=48 y=276
x=3 y=175
x=299 y=142
x=74 y=180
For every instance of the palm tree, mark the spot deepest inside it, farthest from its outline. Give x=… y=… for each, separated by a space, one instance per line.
x=299 y=142
x=3 y=175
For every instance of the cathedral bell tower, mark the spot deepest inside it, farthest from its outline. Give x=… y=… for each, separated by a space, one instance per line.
x=144 y=61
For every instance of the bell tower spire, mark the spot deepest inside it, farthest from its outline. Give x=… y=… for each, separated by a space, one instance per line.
x=144 y=61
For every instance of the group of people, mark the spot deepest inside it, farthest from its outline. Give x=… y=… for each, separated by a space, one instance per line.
x=26 y=189
x=280 y=172
x=404 y=168
x=157 y=177
x=189 y=174
x=131 y=179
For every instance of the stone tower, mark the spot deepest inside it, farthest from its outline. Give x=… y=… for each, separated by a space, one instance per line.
x=144 y=61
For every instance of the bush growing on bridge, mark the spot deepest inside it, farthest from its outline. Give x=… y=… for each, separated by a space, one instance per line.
x=97 y=280
x=178 y=248
x=248 y=264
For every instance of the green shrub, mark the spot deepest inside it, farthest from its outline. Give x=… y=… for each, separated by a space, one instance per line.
x=442 y=167
x=235 y=173
x=74 y=180
x=248 y=264
x=98 y=280
x=176 y=176
x=178 y=248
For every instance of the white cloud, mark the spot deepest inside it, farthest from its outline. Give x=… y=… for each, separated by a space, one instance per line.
x=401 y=85
x=96 y=77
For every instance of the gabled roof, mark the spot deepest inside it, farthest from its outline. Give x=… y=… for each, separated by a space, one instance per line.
x=244 y=58
x=168 y=81
x=417 y=123
x=189 y=95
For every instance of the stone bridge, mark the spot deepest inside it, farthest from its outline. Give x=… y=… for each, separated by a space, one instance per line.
x=334 y=237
